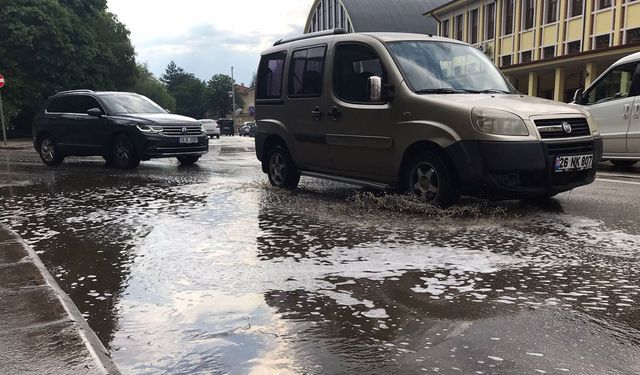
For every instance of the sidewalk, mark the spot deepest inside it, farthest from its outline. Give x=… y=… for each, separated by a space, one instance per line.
x=16 y=144
x=41 y=330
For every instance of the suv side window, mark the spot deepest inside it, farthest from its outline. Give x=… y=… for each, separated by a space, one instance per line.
x=84 y=103
x=617 y=84
x=63 y=104
x=270 y=73
x=352 y=67
x=306 y=72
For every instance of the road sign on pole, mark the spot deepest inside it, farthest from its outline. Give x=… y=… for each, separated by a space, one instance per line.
x=4 y=131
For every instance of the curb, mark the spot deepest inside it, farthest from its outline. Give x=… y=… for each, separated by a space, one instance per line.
x=103 y=364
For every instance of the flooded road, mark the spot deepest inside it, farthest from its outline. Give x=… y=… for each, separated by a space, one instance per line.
x=210 y=270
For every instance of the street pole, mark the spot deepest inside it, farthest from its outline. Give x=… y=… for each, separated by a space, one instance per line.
x=4 y=131
x=233 y=96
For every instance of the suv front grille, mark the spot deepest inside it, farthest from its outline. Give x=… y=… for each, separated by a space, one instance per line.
x=552 y=128
x=180 y=129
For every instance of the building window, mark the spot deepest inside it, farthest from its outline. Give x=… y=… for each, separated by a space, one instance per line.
x=473 y=26
x=573 y=47
x=490 y=20
x=508 y=17
x=528 y=14
x=576 y=8
x=603 y=4
x=444 y=28
x=548 y=52
x=633 y=36
x=525 y=57
x=602 y=41
x=305 y=77
x=505 y=60
x=458 y=27
x=551 y=10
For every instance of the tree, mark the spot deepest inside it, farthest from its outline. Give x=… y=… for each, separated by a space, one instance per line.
x=254 y=79
x=148 y=85
x=219 y=102
x=188 y=91
x=53 y=45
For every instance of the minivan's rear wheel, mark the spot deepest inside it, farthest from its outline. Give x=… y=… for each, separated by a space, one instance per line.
x=48 y=150
x=282 y=172
x=124 y=153
x=188 y=159
x=428 y=177
x=624 y=163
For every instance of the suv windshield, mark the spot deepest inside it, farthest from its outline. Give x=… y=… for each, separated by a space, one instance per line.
x=119 y=104
x=447 y=68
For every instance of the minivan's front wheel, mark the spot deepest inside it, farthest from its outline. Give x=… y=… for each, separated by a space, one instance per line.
x=123 y=153
x=188 y=159
x=48 y=150
x=282 y=172
x=428 y=177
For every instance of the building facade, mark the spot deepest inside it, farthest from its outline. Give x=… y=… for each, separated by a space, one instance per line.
x=372 y=16
x=547 y=48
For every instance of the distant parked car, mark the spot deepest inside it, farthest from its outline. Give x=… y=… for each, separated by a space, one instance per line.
x=226 y=127
x=613 y=100
x=124 y=128
x=248 y=129
x=210 y=127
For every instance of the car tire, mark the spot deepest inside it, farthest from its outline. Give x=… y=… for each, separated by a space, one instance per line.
x=48 y=151
x=429 y=177
x=281 y=170
x=123 y=153
x=186 y=160
x=624 y=163
x=218 y=136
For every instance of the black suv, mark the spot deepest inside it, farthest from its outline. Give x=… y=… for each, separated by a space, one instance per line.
x=124 y=128
x=226 y=127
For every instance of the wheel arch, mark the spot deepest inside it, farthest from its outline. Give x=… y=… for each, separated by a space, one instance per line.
x=271 y=141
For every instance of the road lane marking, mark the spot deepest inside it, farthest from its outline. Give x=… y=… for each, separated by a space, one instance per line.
x=618 y=181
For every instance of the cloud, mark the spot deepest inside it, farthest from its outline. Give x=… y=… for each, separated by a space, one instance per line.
x=208 y=37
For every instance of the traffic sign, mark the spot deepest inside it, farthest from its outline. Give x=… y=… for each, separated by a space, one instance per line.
x=1 y=81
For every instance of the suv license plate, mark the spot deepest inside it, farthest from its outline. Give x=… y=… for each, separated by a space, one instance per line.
x=573 y=163
x=188 y=140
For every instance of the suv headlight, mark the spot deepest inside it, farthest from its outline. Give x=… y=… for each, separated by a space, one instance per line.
x=495 y=121
x=149 y=128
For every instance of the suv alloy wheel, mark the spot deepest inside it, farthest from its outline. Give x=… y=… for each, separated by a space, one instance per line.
x=48 y=150
x=124 y=153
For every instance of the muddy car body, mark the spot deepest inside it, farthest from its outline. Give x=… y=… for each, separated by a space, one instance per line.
x=421 y=114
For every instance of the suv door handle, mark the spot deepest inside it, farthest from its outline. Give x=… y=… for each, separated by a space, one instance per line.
x=334 y=113
x=316 y=113
x=625 y=112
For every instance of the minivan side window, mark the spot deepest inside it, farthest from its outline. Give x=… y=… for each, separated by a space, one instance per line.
x=306 y=72
x=270 y=73
x=617 y=84
x=353 y=65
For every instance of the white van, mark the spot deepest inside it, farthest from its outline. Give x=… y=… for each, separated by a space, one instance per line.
x=613 y=100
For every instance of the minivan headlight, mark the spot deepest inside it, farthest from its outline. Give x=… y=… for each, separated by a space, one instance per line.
x=495 y=121
x=149 y=128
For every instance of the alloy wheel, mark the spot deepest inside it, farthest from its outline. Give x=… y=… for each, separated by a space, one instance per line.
x=425 y=182
x=277 y=168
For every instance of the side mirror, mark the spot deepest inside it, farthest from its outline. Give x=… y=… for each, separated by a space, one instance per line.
x=166 y=110
x=577 y=97
x=375 y=89
x=95 y=112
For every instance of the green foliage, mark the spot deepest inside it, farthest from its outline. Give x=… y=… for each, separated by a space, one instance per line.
x=148 y=85
x=53 y=45
x=188 y=91
x=218 y=100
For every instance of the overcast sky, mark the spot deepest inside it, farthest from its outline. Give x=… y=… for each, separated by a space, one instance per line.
x=207 y=37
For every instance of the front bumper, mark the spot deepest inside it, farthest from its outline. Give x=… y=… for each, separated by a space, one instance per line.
x=504 y=170
x=160 y=146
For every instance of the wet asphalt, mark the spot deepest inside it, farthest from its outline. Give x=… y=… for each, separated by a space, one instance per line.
x=210 y=270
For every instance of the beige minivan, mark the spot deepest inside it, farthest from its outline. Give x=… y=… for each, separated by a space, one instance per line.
x=416 y=113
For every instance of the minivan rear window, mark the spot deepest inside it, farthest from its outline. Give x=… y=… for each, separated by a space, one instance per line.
x=270 y=72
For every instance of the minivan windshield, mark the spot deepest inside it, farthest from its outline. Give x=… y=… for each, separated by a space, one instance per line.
x=121 y=104
x=447 y=68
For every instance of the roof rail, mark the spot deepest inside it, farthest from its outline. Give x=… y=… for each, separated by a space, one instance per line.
x=75 y=91
x=310 y=35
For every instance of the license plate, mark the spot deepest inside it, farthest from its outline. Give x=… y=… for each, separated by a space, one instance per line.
x=188 y=140
x=573 y=163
